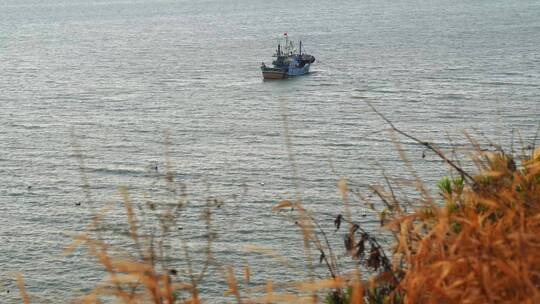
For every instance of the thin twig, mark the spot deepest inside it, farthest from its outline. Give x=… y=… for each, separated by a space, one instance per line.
x=534 y=139
x=334 y=271
x=425 y=144
x=453 y=150
x=395 y=203
x=512 y=142
x=77 y=150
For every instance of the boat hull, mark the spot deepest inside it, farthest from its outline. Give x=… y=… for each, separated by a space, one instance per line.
x=273 y=74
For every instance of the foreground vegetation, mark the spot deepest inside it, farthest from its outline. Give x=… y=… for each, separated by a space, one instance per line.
x=476 y=243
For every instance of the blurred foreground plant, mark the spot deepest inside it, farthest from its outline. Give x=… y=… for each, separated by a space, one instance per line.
x=479 y=244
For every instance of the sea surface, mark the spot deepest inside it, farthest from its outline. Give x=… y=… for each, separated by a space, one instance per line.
x=99 y=95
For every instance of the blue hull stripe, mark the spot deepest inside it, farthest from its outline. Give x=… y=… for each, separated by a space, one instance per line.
x=293 y=71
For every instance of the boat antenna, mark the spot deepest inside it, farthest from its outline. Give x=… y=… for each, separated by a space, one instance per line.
x=300 y=47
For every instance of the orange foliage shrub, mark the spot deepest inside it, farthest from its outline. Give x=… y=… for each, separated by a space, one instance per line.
x=483 y=245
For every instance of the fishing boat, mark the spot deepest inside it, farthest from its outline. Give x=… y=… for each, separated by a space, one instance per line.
x=289 y=61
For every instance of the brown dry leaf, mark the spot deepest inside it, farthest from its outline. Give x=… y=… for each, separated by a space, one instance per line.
x=343 y=188
x=493 y=173
x=182 y=286
x=167 y=290
x=247 y=273
x=282 y=298
x=269 y=288
x=233 y=286
x=132 y=219
x=322 y=284
x=193 y=301
x=269 y=252
x=22 y=289
x=283 y=204
x=533 y=169
x=131 y=266
x=80 y=239
x=90 y=299
x=124 y=278
x=357 y=296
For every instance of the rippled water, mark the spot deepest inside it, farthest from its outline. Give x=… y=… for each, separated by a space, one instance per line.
x=113 y=76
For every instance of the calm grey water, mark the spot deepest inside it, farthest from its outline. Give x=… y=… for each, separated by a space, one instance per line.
x=114 y=76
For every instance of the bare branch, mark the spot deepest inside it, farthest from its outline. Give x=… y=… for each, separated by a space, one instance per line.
x=428 y=145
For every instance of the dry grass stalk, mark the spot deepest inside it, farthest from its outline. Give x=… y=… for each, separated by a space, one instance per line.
x=480 y=245
x=22 y=289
